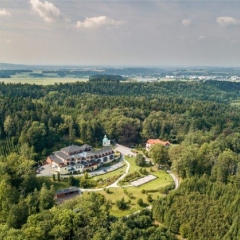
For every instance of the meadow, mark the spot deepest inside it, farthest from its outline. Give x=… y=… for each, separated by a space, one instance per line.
x=42 y=81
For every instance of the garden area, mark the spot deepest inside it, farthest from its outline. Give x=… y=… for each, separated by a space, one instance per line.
x=128 y=199
x=130 y=196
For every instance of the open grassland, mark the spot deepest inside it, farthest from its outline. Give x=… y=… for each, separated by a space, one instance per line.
x=41 y=81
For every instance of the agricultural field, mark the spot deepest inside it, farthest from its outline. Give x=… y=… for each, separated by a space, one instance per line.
x=42 y=81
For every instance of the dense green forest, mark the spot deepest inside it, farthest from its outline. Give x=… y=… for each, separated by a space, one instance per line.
x=197 y=117
x=106 y=77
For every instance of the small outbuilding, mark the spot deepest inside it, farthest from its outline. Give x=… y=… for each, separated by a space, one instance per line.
x=67 y=191
x=106 y=142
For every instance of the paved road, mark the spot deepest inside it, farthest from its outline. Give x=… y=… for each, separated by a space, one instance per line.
x=115 y=184
x=124 y=151
x=175 y=179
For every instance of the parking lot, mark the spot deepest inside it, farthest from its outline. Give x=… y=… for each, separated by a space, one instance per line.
x=47 y=170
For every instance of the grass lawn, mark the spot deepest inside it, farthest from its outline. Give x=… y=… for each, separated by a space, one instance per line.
x=134 y=193
x=119 y=171
x=133 y=167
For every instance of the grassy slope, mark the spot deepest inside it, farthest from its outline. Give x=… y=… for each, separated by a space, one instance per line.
x=134 y=193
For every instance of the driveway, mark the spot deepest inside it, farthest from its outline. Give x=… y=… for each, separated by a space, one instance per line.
x=175 y=179
x=124 y=150
x=46 y=171
x=115 y=184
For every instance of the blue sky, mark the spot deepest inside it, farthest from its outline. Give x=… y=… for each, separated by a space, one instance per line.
x=136 y=33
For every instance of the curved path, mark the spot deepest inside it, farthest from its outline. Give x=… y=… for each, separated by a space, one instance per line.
x=175 y=179
x=125 y=151
x=126 y=172
x=115 y=184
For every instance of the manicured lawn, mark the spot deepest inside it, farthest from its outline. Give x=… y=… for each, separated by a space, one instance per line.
x=134 y=193
x=133 y=167
x=119 y=171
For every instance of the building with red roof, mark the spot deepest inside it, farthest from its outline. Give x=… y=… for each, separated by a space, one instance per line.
x=151 y=142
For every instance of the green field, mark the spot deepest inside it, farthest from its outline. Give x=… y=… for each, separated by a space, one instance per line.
x=134 y=193
x=119 y=171
x=42 y=81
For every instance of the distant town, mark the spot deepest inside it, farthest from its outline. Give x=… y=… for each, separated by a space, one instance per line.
x=138 y=74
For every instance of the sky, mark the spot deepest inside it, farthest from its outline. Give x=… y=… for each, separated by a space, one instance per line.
x=120 y=32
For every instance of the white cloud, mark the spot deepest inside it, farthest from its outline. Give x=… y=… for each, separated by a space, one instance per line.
x=4 y=13
x=201 y=37
x=95 y=22
x=186 y=22
x=46 y=10
x=227 y=21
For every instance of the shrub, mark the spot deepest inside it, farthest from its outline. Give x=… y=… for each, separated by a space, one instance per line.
x=121 y=204
x=143 y=191
x=140 y=160
x=149 y=198
x=165 y=190
x=140 y=202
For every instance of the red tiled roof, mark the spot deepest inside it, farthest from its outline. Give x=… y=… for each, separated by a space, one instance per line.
x=155 y=141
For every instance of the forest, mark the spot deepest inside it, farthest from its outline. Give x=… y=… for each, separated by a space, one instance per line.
x=198 y=118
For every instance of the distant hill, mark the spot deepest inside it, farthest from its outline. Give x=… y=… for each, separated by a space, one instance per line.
x=8 y=66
